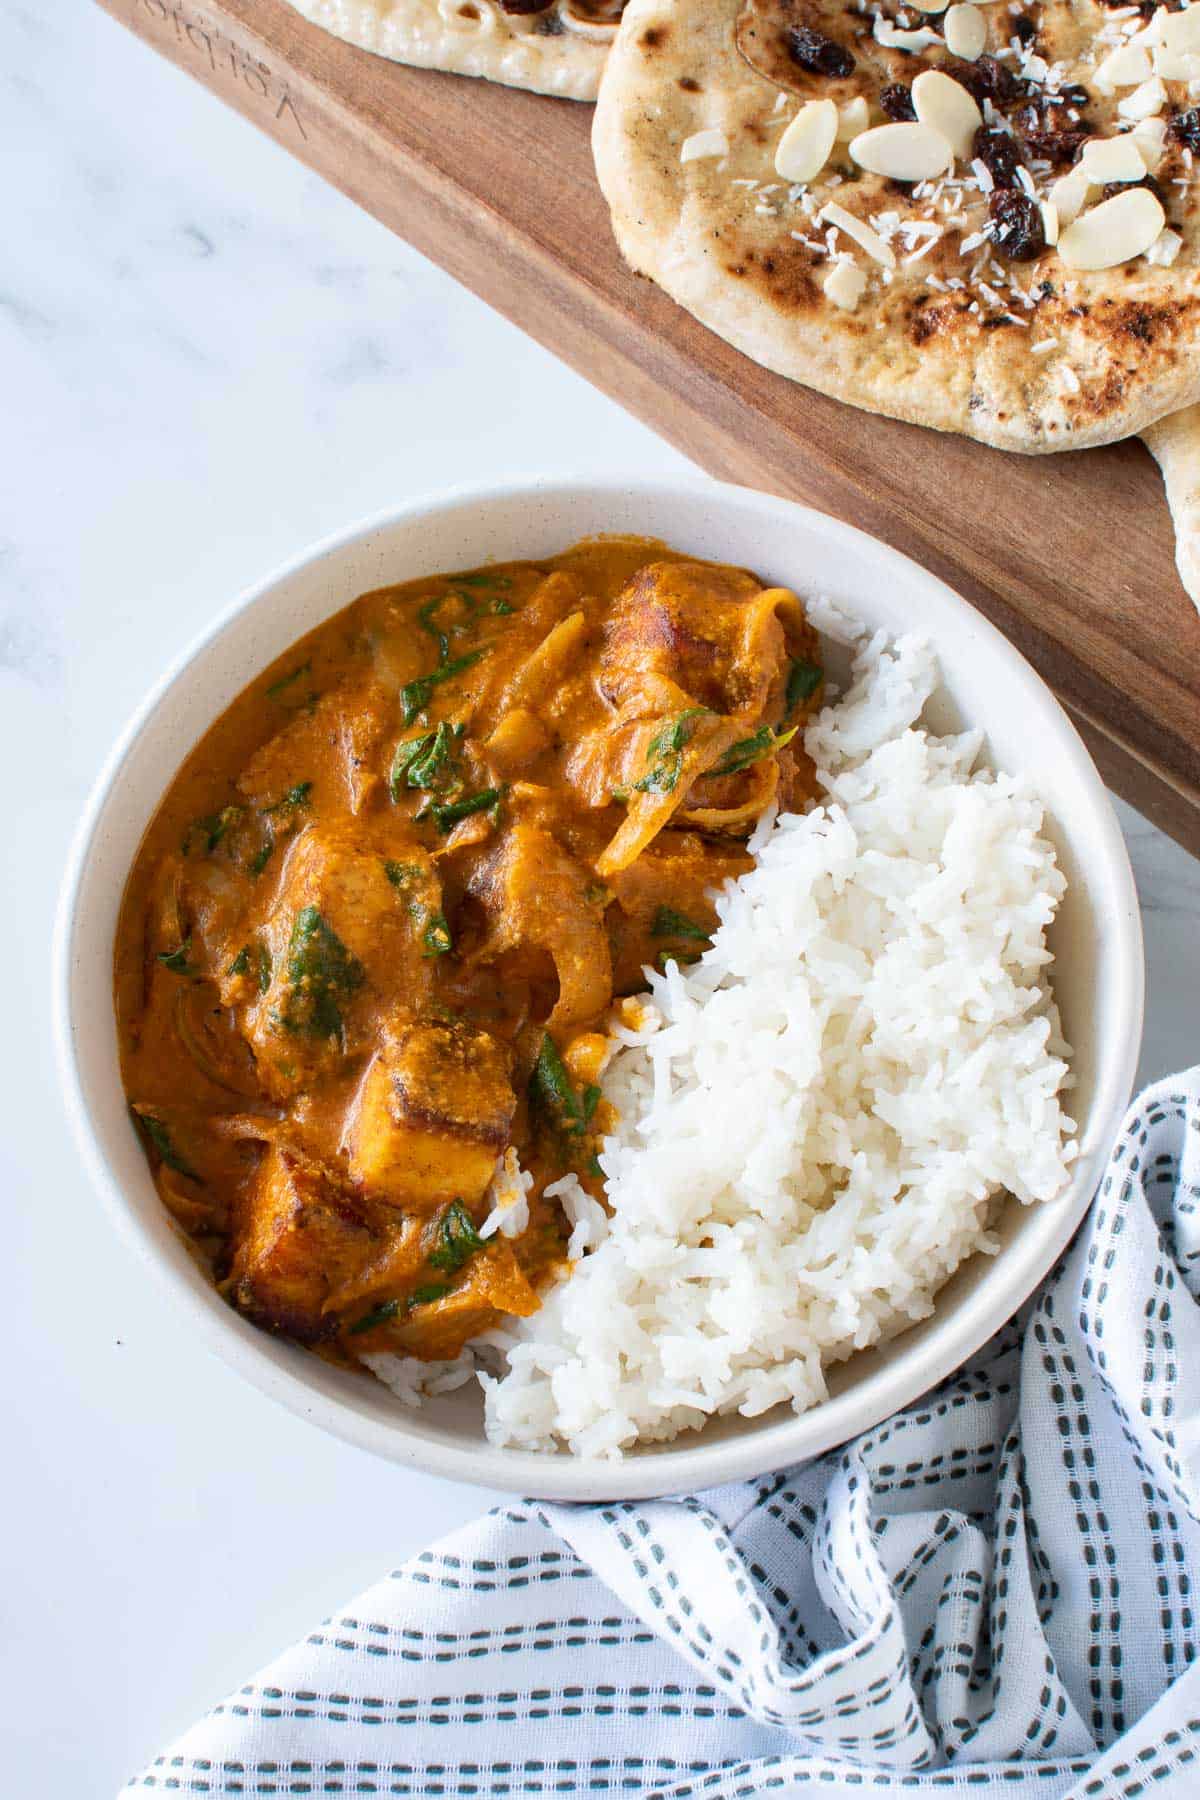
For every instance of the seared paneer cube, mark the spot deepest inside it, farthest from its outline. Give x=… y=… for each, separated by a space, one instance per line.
x=350 y=923
x=446 y=1315
x=331 y=741
x=299 y=1238
x=431 y=1116
x=683 y=622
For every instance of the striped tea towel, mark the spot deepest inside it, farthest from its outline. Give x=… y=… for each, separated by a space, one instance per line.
x=993 y=1593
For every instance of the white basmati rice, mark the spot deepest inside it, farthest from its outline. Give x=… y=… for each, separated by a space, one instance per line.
x=508 y=1198
x=817 y=1117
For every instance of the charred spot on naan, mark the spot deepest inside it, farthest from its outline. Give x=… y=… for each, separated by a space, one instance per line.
x=929 y=317
x=782 y=40
x=1142 y=321
x=1123 y=335
x=786 y=273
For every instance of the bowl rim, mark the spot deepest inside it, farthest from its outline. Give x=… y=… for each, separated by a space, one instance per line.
x=686 y=1463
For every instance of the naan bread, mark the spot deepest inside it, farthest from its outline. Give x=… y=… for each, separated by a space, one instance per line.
x=557 y=48
x=1175 y=445
x=1027 y=355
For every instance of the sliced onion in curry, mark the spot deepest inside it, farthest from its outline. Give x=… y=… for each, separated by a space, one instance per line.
x=195 y=1212
x=218 y=1051
x=762 y=779
x=657 y=796
x=541 y=673
x=267 y=1126
x=537 y=896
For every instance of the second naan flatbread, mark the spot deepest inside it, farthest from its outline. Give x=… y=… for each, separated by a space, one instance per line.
x=557 y=48
x=1174 y=443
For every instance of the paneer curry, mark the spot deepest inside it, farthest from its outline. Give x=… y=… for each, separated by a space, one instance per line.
x=372 y=941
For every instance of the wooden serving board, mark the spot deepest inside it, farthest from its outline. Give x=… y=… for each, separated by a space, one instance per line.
x=1071 y=555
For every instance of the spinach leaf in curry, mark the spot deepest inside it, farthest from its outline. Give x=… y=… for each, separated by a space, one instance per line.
x=320 y=975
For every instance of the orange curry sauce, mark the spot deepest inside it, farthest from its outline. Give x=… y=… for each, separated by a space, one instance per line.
x=372 y=939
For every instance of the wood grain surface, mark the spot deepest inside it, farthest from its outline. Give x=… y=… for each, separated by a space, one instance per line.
x=1071 y=555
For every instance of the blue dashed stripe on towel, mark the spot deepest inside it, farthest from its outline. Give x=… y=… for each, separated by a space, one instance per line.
x=993 y=1593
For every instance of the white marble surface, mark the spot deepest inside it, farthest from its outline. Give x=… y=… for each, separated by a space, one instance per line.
x=207 y=359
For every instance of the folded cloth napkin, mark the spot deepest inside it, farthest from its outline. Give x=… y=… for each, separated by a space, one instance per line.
x=992 y=1593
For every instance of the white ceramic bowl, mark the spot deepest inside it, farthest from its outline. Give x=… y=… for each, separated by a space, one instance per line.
x=1098 y=970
